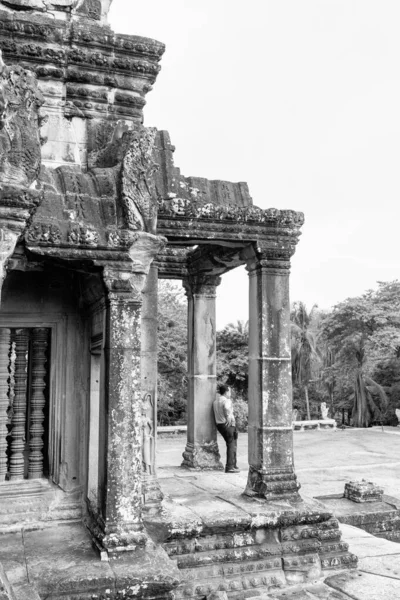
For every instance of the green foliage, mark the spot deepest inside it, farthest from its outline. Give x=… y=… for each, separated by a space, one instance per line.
x=303 y=347
x=172 y=354
x=241 y=412
x=232 y=357
x=360 y=332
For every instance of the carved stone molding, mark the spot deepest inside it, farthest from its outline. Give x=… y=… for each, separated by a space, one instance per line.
x=121 y=283
x=201 y=285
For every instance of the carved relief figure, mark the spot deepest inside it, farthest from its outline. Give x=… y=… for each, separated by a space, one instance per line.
x=20 y=101
x=147 y=435
x=138 y=187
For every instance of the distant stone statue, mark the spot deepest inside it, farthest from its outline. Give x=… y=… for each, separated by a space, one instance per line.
x=295 y=414
x=324 y=411
x=398 y=416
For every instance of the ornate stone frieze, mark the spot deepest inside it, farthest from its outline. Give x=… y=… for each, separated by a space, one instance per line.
x=44 y=233
x=83 y=236
x=181 y=207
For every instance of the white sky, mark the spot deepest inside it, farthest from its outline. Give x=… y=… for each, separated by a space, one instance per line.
x=301 y=99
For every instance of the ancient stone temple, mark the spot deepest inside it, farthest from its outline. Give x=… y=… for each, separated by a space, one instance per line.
x=92 y=212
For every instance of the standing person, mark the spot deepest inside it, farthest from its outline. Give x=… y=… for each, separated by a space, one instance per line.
x=226 y=425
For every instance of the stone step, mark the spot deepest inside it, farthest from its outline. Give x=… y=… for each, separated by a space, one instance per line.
x=323 y=532
x=258 y=561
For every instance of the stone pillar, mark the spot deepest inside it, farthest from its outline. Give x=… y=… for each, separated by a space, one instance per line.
x=201 y=450
x=152 y=494
x=271 y=468
x=119 y=526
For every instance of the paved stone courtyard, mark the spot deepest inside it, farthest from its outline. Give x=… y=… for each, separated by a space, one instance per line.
x=324 y=460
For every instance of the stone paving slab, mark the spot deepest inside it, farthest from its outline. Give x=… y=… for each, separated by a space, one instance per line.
x=364 y=586
x=367 y=545
x=62 y=559
x=310 y=592
x=214 y=513
x=388 y=566
x=12 y=557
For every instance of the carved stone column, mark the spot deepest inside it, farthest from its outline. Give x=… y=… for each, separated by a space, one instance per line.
x=271 y=469
x=5 y=338
x=201 y=450
x=119 y=526
x=152 y=494
x=17 y=462
x=38 y=401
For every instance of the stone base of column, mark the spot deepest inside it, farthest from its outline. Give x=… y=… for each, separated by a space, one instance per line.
x=273 y=484
x=152 y=494
x=113 y=540
x=205 y=457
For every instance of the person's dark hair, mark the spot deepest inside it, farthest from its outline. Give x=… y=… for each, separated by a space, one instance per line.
x=222 y=389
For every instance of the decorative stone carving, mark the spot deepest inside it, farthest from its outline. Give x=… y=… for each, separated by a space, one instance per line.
x=84 y=236
x=148 y=438
x=137 y=179
x=20 y=101
x=190 y=209
x=92 y=9
x=44 y=233
x=397 y=411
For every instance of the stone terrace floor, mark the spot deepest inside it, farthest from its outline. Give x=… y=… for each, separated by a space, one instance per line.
x=325 y=460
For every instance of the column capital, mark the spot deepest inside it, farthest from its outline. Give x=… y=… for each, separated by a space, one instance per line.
x=201 y=285
x=274 y=261
x=122 y=284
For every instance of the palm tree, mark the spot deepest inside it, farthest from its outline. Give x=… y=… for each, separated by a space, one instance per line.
x=241 y=327
x=303 y=347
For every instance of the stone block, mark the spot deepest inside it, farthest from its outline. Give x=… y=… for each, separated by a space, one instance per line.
x=363 y=491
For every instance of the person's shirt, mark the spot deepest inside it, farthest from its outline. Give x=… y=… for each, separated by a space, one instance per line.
x=223 y=411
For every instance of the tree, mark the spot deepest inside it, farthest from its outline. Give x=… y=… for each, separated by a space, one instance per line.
x=303 y=347
x=172 y=353
x=362 y=331
x=233 y=357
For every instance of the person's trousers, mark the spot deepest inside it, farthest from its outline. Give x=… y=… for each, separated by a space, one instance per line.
x=230 y=436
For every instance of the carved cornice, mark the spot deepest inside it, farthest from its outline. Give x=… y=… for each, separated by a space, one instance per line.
x=90 y=59
x=171 y=263
x=123 y=285
x=272 y=258
x=189 y=209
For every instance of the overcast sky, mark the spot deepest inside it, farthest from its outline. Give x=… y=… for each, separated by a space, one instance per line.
x=301 y=99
